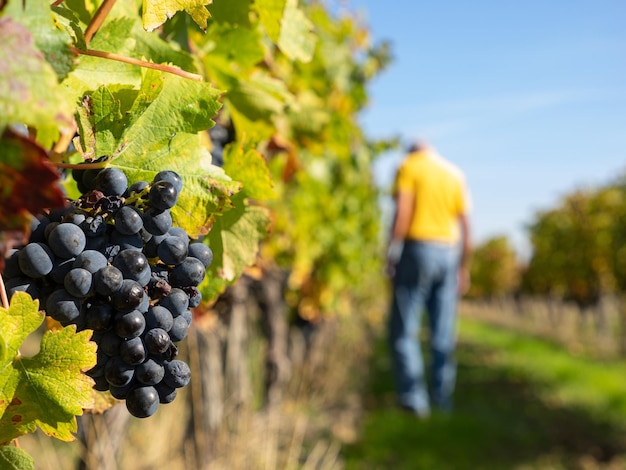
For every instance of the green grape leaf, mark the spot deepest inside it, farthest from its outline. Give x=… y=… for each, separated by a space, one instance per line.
x=126 y=121
x=288 y=27
x=249 y=168
x=157 y=12
x=93 y=72
x=234 y=239
x=296 y=40
x=49 y=39
x=230 y=52
x=271 y=14
x=157 y=128
x=232 y=11
x=14 y=458
x=259 y=98
x=29 y=90
x=49 y=389
x=69 y=21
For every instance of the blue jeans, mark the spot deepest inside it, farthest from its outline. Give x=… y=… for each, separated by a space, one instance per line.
x=425 y=279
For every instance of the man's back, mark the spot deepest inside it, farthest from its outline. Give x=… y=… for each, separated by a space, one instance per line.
x=439 y=196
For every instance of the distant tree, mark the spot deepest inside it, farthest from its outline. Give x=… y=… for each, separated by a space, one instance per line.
x=494 y=269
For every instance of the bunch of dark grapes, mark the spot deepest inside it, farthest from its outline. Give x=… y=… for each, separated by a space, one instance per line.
x=113 y=263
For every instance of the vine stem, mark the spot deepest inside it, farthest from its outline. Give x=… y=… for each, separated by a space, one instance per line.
x=56 y=3
x=79 y=166
x=3 y=294
x=98 y=19
x=142 y=63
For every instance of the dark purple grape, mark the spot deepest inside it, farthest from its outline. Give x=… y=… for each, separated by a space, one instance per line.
x=163 y=195
x=128 y=220
x=142 y=402
x=63 y=307
x=171 y=177
x=128 y=297
x=159 y=317
x=177 y=373
x=111 y=181
x=22 y=284
x=35 y=260
x=99 y=316
x=38 y=228
x=133 y=351
x=176 y=302
x=166 y=393
x=179 y=232
x=157 y=341
x=108 y=280
x=110 y=343
x=66 y=240
x=172 y=250
x=78 y=282
x=149 y=372
x=133 y=265
x=130 y=324
x=100 y=384
x=157 y=221
x=188 y=316
x=117 y=372
x=91 y=260
x=122 y=392
x=127 y=242
x=202 y=252
x=189 y=273
x=179 y=329
x=98 y=369
x=12 y=265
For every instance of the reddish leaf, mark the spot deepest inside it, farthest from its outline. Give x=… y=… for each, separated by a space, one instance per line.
x=28 y=184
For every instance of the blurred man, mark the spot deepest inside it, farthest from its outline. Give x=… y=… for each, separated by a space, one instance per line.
x=428 y=260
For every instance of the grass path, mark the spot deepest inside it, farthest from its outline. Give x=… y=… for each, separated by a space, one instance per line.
x=521 y=403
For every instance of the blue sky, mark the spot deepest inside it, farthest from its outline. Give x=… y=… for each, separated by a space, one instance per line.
x=528 y=98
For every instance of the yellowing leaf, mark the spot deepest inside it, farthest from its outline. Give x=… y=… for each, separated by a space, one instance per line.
x=234 y=239
x=157 y=12
x=249 y=168
x=49 y=389
x=29 y=89
x=271 y=13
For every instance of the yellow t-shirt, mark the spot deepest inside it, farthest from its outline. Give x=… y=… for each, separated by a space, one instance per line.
x=440 y=196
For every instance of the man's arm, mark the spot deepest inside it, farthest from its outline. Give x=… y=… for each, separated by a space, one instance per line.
x=466 y=253
x=400 y=229
x=404 y=212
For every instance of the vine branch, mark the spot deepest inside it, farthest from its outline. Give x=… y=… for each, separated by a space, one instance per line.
x=141 y=63
x=98 y=19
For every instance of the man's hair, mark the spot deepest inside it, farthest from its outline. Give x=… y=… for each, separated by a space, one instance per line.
x=417 y=146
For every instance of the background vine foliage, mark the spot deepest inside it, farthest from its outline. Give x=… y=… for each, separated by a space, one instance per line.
x=253 y=103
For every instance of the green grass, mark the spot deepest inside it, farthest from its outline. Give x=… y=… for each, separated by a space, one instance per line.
x=521 y=403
